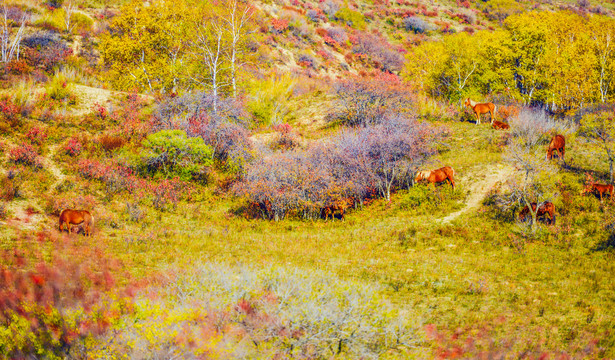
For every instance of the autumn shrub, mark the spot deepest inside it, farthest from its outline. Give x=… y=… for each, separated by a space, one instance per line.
x=221 y=123
x=363 y=101
x=131 y=123
x=416 y=24
x=10 y=115
x=61 y=90
x=109 y=143
x=45 y=50
x=11 y=183
x=377 y=51
x=173 y=152
x=17 y=67
x=36 y=135
x=50 y=308
x=54 y=4
x=287 y=139
x=73 y=146
x=167 y=193
x=356 y=165
x=277 y=313
x=315 y=15
x=3 y=211
x=116 y=178
x=352 y=18
x=306 y=60
x=25 y=154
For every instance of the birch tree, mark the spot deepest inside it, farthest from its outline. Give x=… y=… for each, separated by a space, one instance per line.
x=9 y=43
x=237 y=20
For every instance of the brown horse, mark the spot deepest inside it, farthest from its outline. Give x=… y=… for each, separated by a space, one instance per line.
x=480 y=109
x=437 y=176
x=498 y=125
x=558 y=143
x=70 y=217
x=602 y=189
x=337 y=206
x=544 y=209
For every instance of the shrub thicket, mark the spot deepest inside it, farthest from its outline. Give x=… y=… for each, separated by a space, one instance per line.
x=348 y=168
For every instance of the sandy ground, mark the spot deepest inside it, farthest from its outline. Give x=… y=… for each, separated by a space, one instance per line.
x=478 y=185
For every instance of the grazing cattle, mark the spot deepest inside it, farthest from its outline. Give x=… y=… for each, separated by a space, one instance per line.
x=480 y=109
x=602 y=189
x=545 y=208
x=437 y=176
x=498 y=125
x=70 y=217
x=558 y=143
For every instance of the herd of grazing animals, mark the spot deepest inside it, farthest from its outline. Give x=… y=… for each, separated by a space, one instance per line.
x=85 y=220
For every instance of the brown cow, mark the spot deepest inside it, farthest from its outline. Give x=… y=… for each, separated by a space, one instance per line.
x=498 y=125
x=437 y=176
x=558 y=143
x=69 y=217
x=602 y=189
x=545 y=208
x=481 y=109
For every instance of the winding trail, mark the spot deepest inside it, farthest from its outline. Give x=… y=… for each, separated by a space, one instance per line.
x=53 y=168
x=478 y=184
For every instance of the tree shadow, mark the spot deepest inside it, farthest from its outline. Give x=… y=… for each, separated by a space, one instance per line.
x=607 y=244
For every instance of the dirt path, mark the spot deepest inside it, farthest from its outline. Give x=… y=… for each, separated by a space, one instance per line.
x=53 y=168
x=478 y=185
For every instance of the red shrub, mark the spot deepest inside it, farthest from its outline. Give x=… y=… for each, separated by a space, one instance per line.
x=18 y=67
x=9 y=111
x=36 y=135
x=100 y=111
x=25 y=154
x=377 y=51
x=73 y=146
x=279 y=25
x=132 y=124
x=110 y=142
x=321 y=32
x=167 y=193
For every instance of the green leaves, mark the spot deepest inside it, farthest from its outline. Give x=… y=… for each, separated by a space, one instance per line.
x=172 y=152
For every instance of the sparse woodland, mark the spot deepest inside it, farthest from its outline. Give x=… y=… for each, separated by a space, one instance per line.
x=307 y=179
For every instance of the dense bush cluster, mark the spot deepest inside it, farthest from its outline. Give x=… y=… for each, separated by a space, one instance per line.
x=172 y=152
x=416 y=24
x=367 y=100
x=242 y=312
x=219 y=122
x=25 y=154
x=45 y=51
x=349 y=168
x=165 y=194
x=378 y=51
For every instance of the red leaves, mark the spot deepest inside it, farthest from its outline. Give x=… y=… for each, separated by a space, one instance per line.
x=36 y=135
x=25 y=154
x=101 y=111
x=73 y=146
x=118 y=178
x=279 y=25
x=77 y=277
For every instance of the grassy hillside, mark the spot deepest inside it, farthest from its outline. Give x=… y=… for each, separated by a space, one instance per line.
x=209 y=235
